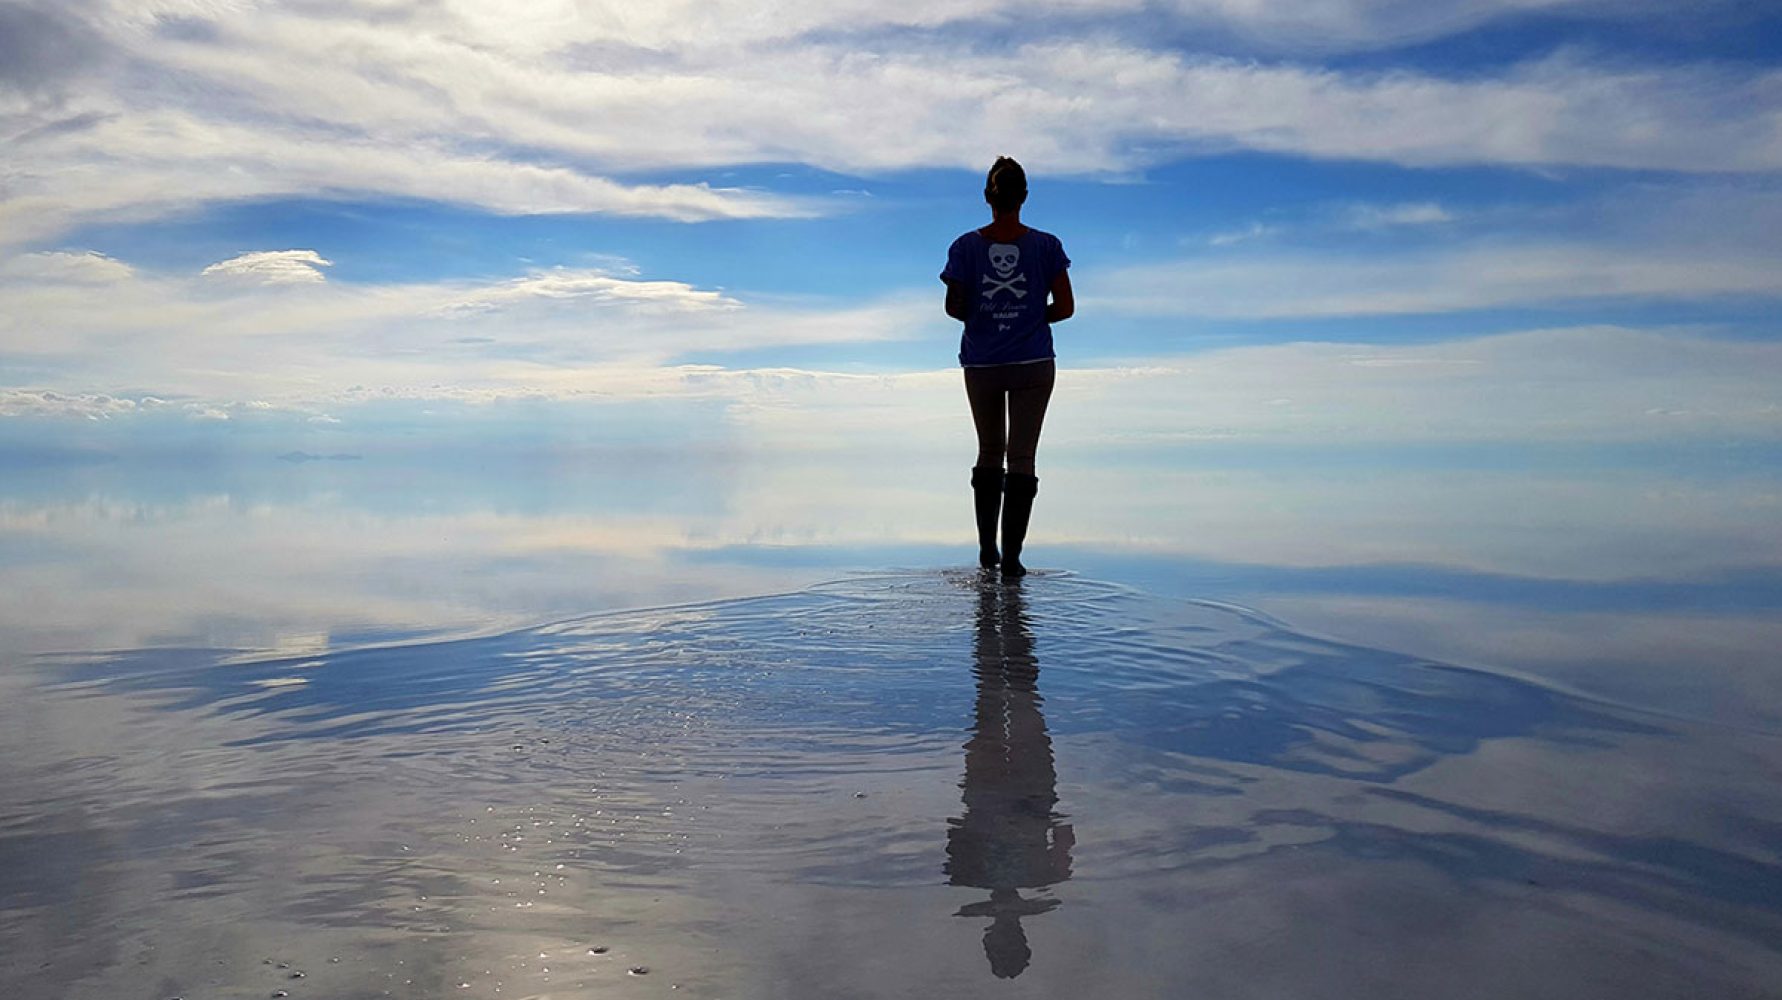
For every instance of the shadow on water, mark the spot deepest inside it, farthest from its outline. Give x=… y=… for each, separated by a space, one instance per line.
x=1010 y=836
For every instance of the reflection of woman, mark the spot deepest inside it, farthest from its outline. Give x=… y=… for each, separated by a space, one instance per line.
x=1009 y=838
x=998 y=282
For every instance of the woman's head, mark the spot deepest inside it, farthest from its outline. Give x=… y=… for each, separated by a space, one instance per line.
x=1006 y=186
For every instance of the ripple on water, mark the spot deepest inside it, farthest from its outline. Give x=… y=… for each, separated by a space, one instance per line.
x=502 y=799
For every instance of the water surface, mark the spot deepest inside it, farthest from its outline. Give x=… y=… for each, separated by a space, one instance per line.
x=901 y=784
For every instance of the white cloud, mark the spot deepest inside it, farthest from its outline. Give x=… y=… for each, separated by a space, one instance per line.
x=595 y=285
x=1449 y=279
x=617 y=32
x=273 y=267
x=1574 y=384
x=1343 y=25
x=1606 y=384
x=1243 y=234
x=1693 y=241
x=1600 y=383
x=292 y=344
x=1350 y=217
x=608 y=334
x=464 y=103
x=1411 y=213
x=61 y=405
x=83 y=268
x=130 y=164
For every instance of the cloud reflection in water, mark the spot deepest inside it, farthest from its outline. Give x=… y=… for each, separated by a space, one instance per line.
x=801 y=753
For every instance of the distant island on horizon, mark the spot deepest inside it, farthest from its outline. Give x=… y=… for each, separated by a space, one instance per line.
x=305 y=456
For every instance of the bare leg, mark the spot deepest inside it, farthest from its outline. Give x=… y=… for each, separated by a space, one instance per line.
x=987 y=398
x=1030 y=389
x=1027 y=413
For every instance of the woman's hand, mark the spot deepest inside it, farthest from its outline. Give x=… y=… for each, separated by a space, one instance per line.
x=958 y=301
x=1063 y=305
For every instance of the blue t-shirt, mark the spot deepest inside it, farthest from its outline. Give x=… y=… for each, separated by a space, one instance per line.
x=1008 y=283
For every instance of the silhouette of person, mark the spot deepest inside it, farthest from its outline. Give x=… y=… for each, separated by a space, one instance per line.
x=1008 y=284
x=1010 y=837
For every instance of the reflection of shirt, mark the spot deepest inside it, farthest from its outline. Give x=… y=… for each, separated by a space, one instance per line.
x=1007 y=283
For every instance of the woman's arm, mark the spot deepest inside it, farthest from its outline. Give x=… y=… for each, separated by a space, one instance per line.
x=1063 y=305
x=958 y=301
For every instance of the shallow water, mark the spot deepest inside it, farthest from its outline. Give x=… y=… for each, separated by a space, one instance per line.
x=885 y=785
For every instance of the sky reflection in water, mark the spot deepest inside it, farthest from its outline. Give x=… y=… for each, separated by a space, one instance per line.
x=303 y=714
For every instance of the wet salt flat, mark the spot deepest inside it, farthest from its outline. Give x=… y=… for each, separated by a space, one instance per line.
x=889 y=784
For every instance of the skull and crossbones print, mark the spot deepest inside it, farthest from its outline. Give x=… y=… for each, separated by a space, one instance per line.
x=1003 y=258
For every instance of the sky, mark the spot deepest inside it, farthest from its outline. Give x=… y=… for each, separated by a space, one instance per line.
x=338 y=224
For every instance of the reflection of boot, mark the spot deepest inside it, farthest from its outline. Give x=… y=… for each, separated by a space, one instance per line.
x=986 y=488
x=1017 y=506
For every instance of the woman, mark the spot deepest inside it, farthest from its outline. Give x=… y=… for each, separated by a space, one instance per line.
x=1008 y=284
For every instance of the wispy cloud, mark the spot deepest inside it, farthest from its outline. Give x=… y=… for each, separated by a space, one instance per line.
x=70 y=406
x=1679 y=242
x=179 y=104
x=1599 y=383
x=1569 y=384
x=273 y=333
x=1244 y=234
x=1376 y=217
x=596 y=286
x=63 y=267
x=272 y=267
x=131 y=165
x=1336 y=284
x=1348 y=217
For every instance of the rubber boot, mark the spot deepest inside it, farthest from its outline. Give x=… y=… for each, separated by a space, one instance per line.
x=1018 y=493
x=986 y=488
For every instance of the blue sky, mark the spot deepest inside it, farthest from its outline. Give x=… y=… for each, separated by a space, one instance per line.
x=1337 y=220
